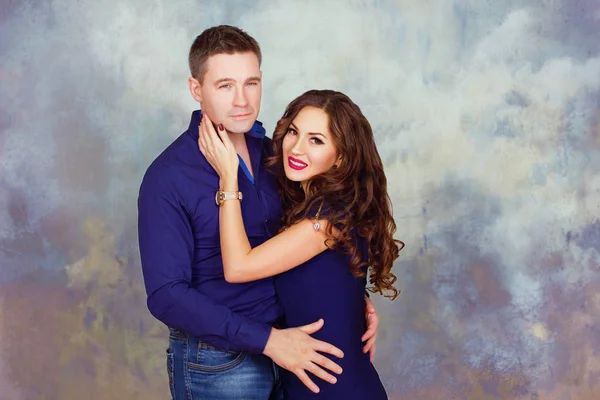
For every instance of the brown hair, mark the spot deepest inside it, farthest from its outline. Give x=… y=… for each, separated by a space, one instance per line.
x=222 y=39
x=355 y=193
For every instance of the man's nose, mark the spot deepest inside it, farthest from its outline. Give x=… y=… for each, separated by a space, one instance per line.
x=240 y=99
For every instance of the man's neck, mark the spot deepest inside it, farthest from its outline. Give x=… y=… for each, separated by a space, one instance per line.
x=239 y=142
x=241 y=148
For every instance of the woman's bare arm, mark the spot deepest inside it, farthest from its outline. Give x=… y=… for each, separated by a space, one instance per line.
x=292 y=247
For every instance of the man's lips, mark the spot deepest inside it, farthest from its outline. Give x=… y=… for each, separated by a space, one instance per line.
x=239 y=116
x=296 y=164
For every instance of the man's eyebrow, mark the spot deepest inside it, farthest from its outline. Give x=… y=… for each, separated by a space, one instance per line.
x=310 y=133
x=219 y=81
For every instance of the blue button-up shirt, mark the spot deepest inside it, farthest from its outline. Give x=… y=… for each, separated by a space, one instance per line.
x=178 y=227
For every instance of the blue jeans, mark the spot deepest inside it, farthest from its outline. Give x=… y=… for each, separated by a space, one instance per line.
x=198 y=371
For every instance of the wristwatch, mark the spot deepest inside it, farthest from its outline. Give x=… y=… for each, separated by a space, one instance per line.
x=221 y=196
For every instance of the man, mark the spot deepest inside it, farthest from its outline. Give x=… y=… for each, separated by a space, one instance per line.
x=222 y=336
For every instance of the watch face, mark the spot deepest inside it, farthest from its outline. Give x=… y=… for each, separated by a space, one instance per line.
x=221 y=196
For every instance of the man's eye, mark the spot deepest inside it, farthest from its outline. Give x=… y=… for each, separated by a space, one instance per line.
x=226 y=86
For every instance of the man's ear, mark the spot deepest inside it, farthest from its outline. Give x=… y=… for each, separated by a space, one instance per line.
x=195 y=91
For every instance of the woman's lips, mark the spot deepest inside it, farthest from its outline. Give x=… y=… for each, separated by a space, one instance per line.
x=296 y=164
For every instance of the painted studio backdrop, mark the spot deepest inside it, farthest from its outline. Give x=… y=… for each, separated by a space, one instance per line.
x=487 y=117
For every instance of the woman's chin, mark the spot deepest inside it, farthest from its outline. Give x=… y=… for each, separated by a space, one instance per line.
x=292 y=179
x=293 y=176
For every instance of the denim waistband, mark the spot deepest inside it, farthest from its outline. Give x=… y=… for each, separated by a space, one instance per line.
x=179 y=334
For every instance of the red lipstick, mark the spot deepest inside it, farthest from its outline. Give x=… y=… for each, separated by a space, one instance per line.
x=296 y=164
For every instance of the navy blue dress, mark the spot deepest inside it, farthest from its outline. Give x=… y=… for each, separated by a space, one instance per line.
x=323 y=287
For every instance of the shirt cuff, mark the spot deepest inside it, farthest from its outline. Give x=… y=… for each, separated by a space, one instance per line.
x=254 y=336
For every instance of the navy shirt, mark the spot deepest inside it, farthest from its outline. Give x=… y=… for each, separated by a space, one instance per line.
x=178 y=228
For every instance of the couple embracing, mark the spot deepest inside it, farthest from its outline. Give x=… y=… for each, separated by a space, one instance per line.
x=255 y=251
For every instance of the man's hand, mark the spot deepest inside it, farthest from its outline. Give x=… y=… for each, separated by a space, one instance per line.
x=294 y=350
x=370 y=335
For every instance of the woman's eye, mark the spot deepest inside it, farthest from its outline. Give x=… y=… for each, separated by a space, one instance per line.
x=292 y=131
x=316 y=141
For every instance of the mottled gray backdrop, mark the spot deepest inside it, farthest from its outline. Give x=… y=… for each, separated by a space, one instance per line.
x=486 y=114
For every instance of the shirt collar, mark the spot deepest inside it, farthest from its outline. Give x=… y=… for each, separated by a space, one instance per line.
x=257 y=130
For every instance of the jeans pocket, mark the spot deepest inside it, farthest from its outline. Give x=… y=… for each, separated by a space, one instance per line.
x=212 y=360
x=170 y=373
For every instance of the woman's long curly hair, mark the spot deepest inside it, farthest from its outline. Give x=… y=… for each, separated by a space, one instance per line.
x=355 y=193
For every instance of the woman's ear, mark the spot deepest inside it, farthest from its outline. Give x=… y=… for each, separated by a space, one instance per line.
x=338 y=162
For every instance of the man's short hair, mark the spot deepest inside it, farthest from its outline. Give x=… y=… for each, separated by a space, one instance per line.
x=222 y=39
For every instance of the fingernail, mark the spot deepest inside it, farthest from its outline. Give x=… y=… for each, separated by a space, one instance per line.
x=333 y=380
x=221 y=127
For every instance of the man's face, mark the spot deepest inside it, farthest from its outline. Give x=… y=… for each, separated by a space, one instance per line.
x=231 y=91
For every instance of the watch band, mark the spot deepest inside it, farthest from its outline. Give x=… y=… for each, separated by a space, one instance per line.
x=221 y=196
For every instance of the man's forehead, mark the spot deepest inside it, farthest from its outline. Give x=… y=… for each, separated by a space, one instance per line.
x=236 y=66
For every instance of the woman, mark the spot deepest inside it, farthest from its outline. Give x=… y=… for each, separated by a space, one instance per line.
x=337 y=223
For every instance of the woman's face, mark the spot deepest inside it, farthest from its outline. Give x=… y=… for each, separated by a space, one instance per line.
x=308 y=148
